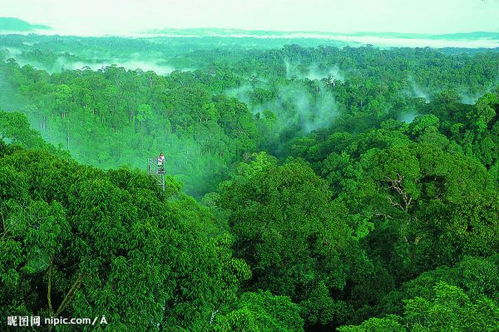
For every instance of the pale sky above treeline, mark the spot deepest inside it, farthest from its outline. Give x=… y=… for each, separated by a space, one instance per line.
x=128 y=16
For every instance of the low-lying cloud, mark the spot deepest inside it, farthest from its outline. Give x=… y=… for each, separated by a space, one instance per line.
x=63 y=62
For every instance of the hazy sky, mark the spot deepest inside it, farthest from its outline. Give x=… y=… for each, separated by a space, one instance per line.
x=124 y=16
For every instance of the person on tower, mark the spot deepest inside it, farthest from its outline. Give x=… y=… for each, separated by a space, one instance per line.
x=161 y=163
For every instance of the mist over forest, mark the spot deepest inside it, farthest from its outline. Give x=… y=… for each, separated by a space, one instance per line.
x=313 y=181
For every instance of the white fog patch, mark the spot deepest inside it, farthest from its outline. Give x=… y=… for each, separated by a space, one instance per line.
x=63 y=63
x=291 y=70
x=313 y=72
x=332 y=73
x=127 y=64
x=10 y=51
x=417 y=91
x=407 y=117
x=470 y=99
x=10 y=98
x=294 y=105
x=242 y=93
x=352 y=40
x=322 y=112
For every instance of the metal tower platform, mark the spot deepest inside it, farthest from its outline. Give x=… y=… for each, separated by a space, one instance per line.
x=156 y=171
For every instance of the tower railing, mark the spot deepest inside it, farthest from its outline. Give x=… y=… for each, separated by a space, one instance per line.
x=157 y=171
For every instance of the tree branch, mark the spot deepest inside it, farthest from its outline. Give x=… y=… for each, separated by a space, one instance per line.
x=70 y=295
x=4 y=230
x=49 y=290
x=396 y=184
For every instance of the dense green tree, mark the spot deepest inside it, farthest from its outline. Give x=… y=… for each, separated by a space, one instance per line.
x=449 y=309
x=14 y=127
x=261 y=312
x=476 y=276
x=290 y=232
x=80 y=242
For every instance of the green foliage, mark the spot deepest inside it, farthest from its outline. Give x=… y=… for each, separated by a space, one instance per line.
x=131 y=115
x=290 y=233
x=355 y=185
x=449 y=309
x=14 y=127
x=390 y=323
x=261 y=312
x=476 y=276
x=80 y=242
x=116 y=117
x=417 y=199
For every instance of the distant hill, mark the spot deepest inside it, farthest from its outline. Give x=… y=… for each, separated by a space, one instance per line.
x=473 y=35
x=199 y=32
x=475 y=40
x=15 y=24
x=463 y=35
